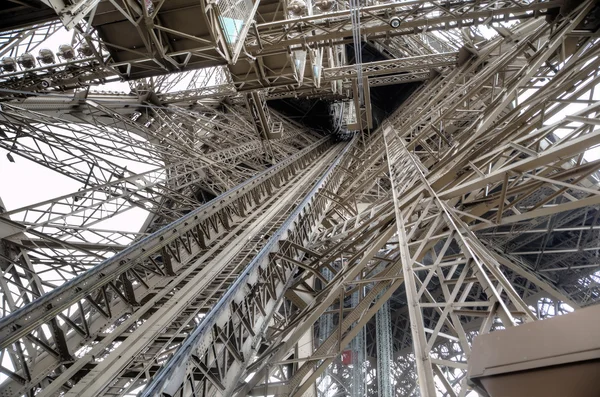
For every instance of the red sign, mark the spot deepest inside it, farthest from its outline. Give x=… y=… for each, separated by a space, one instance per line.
x=347 y=357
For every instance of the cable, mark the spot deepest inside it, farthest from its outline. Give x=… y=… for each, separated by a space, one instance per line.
x=355 y=18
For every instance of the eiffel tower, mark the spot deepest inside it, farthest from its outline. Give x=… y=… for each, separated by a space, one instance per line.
x=293 y=198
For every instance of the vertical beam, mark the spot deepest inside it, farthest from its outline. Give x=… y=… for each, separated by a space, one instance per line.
x=465 y=268
x=384 y=351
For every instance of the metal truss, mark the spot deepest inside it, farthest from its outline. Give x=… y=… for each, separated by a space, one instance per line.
x=269 y=252
x=108 y=292
x=384 y=351
x=437 y=243
x=415 y=16
x=427 y=30
x=71 y=13
x=457 y=284
x=411 y=64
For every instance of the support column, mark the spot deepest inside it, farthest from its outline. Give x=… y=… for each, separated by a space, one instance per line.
x=384 y=351
x=325 y=329
x=358 y=355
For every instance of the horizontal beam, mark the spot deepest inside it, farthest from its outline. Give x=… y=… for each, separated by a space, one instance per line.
x=335 y=27
x=401 y=65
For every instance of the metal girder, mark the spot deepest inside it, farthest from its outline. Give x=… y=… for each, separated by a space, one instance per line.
x=415 y=16
x=457 y=261
x=399 y=79
x=148 y=264
x=401 y=65
x=87 y=207
x=262 y=261
x=265 y=127
x=147 y=39
x=263 y=283
x=71 y=13
x=446 y=360
x=384 y=351
x=203 y=286
x=211 y=47
x=302 y=320
x=160 y=144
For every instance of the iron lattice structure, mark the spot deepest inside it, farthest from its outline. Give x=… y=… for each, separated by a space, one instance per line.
x=275 y=259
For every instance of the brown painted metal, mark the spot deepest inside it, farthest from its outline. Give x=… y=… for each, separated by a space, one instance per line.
x=556 y=357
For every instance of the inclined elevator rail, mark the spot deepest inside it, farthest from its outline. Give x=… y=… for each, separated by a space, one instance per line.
x=173 y=317
x=214 y=359
x=78 y=312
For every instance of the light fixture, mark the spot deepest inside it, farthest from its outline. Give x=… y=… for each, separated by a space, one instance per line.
x=395 y=22
x=66 y=51
x=27 y=61
x=9 y=64
x=46 y=56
